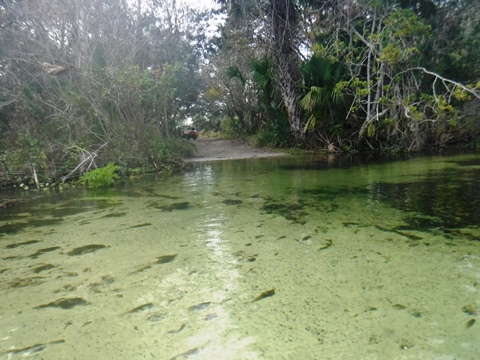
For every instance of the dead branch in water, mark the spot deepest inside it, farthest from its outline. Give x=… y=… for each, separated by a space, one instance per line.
x=90 y=158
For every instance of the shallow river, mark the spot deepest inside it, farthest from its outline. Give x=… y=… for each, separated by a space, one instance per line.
x=274 y=258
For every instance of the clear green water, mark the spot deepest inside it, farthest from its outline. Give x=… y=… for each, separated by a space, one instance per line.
x=367 y=261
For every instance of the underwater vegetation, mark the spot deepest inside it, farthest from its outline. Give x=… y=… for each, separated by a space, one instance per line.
x=29 y=242
x=140 y=308
x=264 y=295
x=43 y=251
x=114 y=215
x=41 y=268
x=32 y=349
x=140 y=225
x=175 y=206
x=292 y=211
x=28 y=281
x=232 y=202
x=165 y=259
x=200 y=306
x=13 y=228
x=85 y=249
x=64 y=303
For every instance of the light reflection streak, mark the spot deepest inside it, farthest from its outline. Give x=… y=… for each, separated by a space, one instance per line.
x=219 y=338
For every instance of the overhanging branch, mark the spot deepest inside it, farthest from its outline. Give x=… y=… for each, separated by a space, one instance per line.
x=444 y=80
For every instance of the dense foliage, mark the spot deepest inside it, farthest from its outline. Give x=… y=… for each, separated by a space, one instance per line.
x=394 y=75
x=91 y=82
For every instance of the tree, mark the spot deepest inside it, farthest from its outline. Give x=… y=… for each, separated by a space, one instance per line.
x=325 y=88
x=279 y=21
x=89 y=75
x=397 y=102
x=283 y=22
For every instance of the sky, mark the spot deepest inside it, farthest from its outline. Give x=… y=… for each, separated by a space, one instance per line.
x=200 y=4
x=215 y=21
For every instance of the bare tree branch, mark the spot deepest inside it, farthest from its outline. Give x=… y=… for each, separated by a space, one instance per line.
x=445 y=80
x=91 y=157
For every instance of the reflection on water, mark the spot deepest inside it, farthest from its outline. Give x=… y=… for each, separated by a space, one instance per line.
x=250 y=259
x=449 y=199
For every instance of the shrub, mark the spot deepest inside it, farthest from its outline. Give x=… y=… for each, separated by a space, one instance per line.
x=274 y=133
x=100 y=177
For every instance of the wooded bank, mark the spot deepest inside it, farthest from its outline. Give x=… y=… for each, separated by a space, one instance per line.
x=100 y=81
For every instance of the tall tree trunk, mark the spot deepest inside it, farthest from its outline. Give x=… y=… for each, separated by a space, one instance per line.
x=283 y=24
x=165 y=122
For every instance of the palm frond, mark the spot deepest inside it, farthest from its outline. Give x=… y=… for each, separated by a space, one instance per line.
x=233 y=72
x=312 y=98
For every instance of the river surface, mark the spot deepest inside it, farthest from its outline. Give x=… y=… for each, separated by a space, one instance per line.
x=279 y=258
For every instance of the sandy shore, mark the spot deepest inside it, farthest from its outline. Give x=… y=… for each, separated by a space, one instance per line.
x=211 y=149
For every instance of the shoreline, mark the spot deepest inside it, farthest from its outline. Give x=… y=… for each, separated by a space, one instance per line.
x=216 y=149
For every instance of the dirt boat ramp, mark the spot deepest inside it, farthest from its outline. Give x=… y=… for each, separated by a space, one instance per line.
x=212 y=149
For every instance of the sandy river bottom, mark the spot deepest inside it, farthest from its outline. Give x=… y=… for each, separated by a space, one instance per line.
x=226 y=277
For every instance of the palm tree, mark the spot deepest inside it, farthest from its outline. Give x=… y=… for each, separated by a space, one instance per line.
x=280 y=20
x=283 y=23
x=322 y=80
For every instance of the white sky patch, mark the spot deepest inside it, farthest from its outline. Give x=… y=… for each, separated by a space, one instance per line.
x=201 y=4
x=215 y=21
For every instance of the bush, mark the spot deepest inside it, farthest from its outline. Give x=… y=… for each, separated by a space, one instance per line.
x=100 y=177
x=275 y=133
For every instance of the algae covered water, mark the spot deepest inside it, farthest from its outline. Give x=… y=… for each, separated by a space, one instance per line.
x=281 y=258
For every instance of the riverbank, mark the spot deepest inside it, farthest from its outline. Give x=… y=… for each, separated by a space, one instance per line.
x=214 y=149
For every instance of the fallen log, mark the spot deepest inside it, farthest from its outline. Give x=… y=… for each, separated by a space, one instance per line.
x=5 y=203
